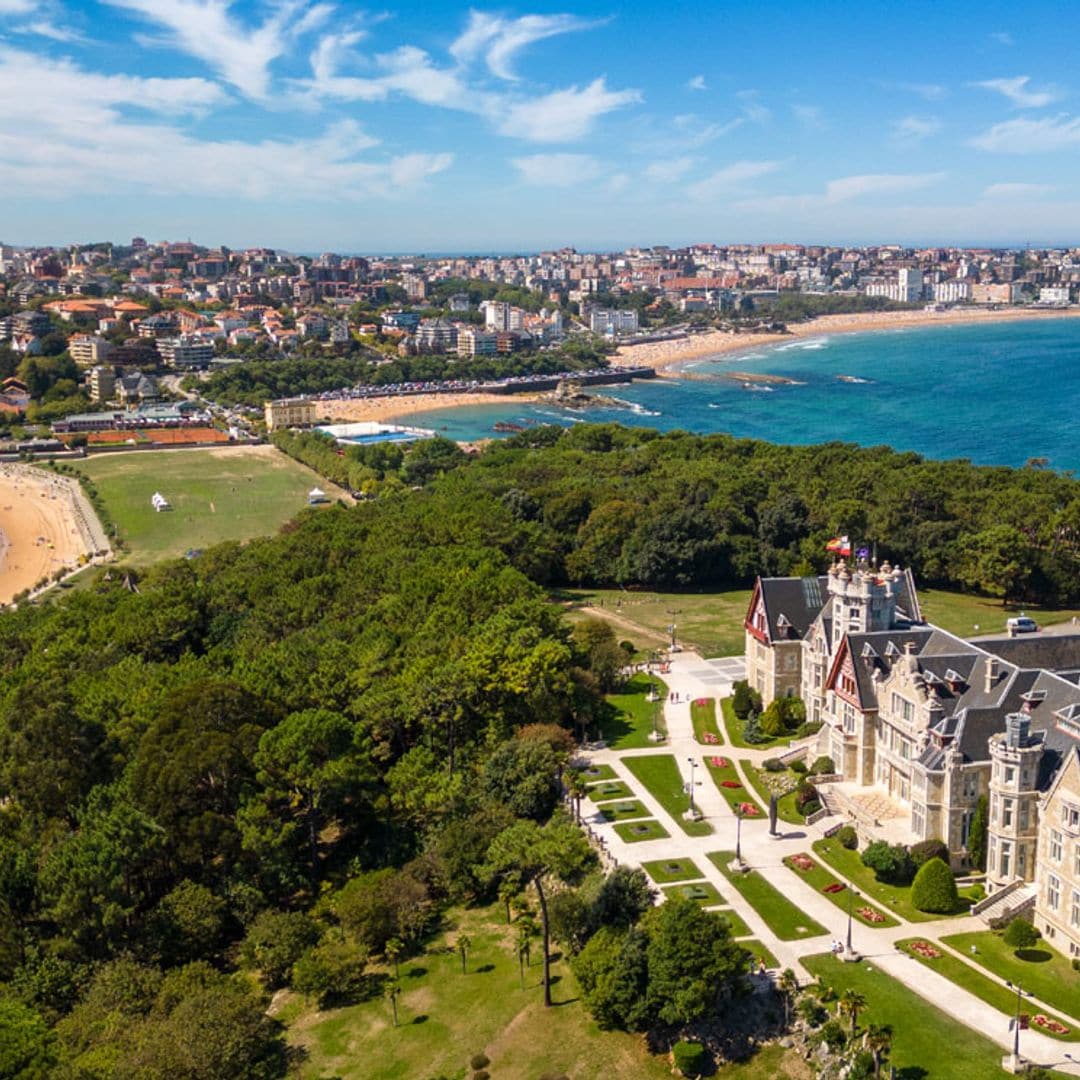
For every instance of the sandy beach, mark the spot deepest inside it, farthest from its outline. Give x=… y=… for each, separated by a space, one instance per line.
x=389 y=409
x=666 y=354
x=45 y=526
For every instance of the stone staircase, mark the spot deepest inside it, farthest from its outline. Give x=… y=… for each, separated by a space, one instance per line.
x=1016 y=899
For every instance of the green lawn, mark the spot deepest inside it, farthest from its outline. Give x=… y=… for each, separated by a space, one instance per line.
x=985 y=989
x=735 y=797
x=968 y=615
x=446 y=1017
x=739 y=929
x=702 y=892
x=703 y=717
x=235 y=493
x=734 y=728
x=894 y=898
x=662 y=779
x=710 y=623
x=628 y=723
x=759 y=780
x=781 y=916
x=607 y=790
x=820 y=879
x=634 y=832
x=1048 y=975
x=760 y=952
x=663 y=871
x=623 y=811
x=598 y=772
x=926 y=1042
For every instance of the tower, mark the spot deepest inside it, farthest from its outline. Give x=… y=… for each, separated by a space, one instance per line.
x=1015 y=754
x=862 y=600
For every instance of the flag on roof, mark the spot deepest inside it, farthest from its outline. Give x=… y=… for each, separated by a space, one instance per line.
x=839 y=545
x=863 y=553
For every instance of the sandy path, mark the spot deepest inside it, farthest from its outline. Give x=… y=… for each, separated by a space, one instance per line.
x=39 y=520
x=664 y=354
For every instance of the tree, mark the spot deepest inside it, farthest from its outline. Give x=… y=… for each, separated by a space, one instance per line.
x=878 y=1040
x=925 y=850
x=613 y=975
x=522 y=775
x=976 y=844
x=577 y=788
x=788 y=985
x=996 y=560
x=535 y=852
x=692 y=960
x=333 y=971
x=934 y=888
x=464 y=943
x=624 y=896
x=275 y=941
x=383 y=904
x=852 y=1003
x=1020 y=934
x=393 y=950
x=188 y=924
x=391 y=992
x=28 y=1048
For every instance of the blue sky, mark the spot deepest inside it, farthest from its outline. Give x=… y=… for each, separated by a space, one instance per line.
x=319 y=124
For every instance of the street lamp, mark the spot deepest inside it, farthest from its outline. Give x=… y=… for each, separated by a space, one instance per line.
x=1015 y=1064
x=849 y=953
x=738 y=836
x=693 y=766
x=671 y=627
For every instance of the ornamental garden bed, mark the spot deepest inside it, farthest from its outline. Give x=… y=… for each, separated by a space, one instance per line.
x=703 y=717
x=836 y=891
x=780 y=915
x=634 y=832
x=597 y=772
x=663 y=871
x=969 y=978
x=609 y=789
x=623 y=811
x=783 y=783
x=701 y=892
x=728 y=782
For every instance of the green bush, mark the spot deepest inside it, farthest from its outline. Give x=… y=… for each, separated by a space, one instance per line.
x=805 y=730
x=812 y=1011
x=741 y=702
x=689 y=1058
x=847 y=837
x=833 y=1035
x=934 y=888
x=798 y=767
x=812 y=807
x=752 y=732
x=479 y=1061
x=1020 y=934
x=822 y=766
x=772 y=765
x=926 y=850
x=805 y=794
x=891 y=863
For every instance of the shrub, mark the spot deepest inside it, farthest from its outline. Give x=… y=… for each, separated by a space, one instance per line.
x=798 y=767
x=926 y=850
x=772 y=765
x=808 y=728
x=772 y=719
x=890 y=862
x=689 y=1058
x=812 y=1011
x=741 y=702
x=812 y=807
x=805 y=794
x=832 y=1035
x=275 y=941
x=752 y=732
x=934 y=888
x=479 y=1061
x=1020 y=934
x=977 y=892
x=1076 y=963
x=822 y=766
x=481 y=1074
x=847 y=837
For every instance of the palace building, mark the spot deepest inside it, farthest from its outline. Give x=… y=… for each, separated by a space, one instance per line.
x=920 y=724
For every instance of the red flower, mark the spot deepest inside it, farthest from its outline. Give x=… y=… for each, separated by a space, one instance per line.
x=730 y=783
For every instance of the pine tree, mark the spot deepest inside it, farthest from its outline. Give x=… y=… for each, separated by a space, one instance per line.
x=976 y=844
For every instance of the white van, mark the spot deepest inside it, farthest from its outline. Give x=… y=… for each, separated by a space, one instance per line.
x=1021 y=625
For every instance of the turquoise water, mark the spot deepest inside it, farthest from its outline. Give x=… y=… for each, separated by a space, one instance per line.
x=995 y=393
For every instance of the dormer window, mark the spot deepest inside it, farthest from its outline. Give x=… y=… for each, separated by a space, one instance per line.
x=891 y=650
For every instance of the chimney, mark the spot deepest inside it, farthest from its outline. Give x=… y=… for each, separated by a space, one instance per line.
x=991 y=673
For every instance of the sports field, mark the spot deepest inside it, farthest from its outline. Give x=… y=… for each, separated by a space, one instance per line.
x=235 y=493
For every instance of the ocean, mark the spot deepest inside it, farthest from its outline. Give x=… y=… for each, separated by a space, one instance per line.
x=996 y=393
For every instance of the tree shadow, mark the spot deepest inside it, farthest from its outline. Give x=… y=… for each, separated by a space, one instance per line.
x=911 y=1072
x=1033 y=956
x=568 y=1001
x=416 y=972
x=556 y=957
x=484 y=969
x=421 y=1019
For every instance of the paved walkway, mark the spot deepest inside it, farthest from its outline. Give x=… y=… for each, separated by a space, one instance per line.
x=690 y=677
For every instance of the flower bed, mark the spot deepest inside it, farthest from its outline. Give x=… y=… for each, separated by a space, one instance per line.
x=710 y=738
x=870 y=915
x=802 y=862
x=1054 y=1026
x=748 y=809
x=924 y=948
x=719 y=762
x=730 y=783
x=835 y=887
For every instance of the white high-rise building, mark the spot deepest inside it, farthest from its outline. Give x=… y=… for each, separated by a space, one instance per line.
x=910 y=285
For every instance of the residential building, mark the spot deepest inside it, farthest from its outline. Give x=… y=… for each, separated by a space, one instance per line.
x=611 y=321
x=909 y=285
x=185 y=352
x=101 y=382
x=953 y=291
x=87 y=349
x=1054 y=294
x=289 y=413
x=436 y=336
x=472 y=341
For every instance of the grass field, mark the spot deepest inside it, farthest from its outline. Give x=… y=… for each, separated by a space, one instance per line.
x=969 y=615
x=734 y=728
x=761 y=952
x=661 y=777
x=663 y=871
x=926 y=1042
x=895 y=898
x=739 y=929
x=598 y=772
x=817 y=877
x=701 y=892
x=975 y=982
x=623 y=811
x=735 y=797
x=236 y=493
x=703 y=717
x=781 y=916
x=607 y=790
x=629 y=723
x=634 y=832
x=1045 y=972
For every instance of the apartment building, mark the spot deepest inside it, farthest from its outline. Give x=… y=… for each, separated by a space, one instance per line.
x=289 y=413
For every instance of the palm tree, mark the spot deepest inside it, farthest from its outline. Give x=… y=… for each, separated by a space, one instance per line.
x=393 y=950
x=852 y=1003
x=788 y=985
x=526 y=932
x=463 y=946
x=878 y=1040
x=392 y=990
x=508 y=890
x=576 y=788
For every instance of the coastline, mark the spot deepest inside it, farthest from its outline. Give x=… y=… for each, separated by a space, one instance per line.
x=663 y=355
x=396 y=407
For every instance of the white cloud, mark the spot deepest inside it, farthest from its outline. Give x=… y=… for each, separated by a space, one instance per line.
x=499 y=40
x=916 y=128
x=45 y=29
x=809 y=116
x=730 y=179
x=81 y=139
x=558 y=170
x=697 y=83
x=752 y=109
x=1016 y=90
x=1030 y=136
x=17 y=7
x=667 y=172
x=846 y=189
x=1002 y=38
x=1017 y=191
x=208 y=31
x=563 y=115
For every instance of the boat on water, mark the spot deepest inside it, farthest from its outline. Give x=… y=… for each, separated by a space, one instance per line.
x=852 y=379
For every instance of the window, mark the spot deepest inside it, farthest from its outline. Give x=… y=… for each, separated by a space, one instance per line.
x=1053 y=892
x=1055 y=845
x=1006 y=858
x=965 y=829
x=1021 y=860
x=971 y=785
x=1076 y=860
x=1070 y=817
x=917 y=819
x=1006 y=813
x=1025 y=808
x=1010 y=774
x=1074 y=910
